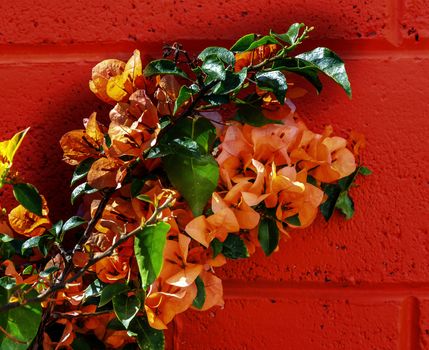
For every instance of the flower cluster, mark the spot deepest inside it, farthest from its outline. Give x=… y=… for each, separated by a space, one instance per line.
x=179 y=178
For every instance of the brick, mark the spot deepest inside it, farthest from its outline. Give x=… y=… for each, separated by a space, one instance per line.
x=54 y=21
x=292 y=323
x=414 y=22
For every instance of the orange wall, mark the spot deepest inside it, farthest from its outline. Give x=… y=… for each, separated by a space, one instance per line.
x=359 y=284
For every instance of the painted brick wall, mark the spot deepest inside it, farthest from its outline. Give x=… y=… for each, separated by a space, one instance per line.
x=359 y=284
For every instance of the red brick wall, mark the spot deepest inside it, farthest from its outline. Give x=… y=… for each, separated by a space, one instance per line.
x=359 y=284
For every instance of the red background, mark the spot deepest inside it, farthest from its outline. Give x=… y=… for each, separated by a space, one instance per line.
x=358 y=284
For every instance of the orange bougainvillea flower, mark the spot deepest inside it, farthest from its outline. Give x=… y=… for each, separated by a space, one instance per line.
x=166 y=94
x=356 y=143
x=213 y=289
x=67 y=337
x=10 y=271
x=116 y=267
x=101 y=74
x=27 y=223
x=176 y=271
x=164 y=302
x=326 y=158
x=256 y=56
x=79 y=145
x=106 y=172
x=218 y=225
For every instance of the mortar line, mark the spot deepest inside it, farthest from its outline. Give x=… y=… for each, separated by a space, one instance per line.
x=409 y=329
x=377 y=292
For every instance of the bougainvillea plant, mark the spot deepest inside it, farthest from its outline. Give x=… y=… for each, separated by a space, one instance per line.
x=203 y=159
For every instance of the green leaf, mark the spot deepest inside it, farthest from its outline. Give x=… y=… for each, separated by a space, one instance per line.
x=73 y=222
x=293 y=220
x=268 y=235
x=345 y=204
x=327 y=208
x=165 y=147
x=94 y=289
x=49 y=271
x=148 y=248
x=84 y=188
x=216 y=100
x=144 y=198
x=364 y=171
x=81 y=170
x=265 y=40
x=21 y=324
x=185 y=93
x=200 y=299
x=110 y=291
x=330 y=64
x=216 y=246
x=214 y=68
x=7 y=282
x=273 y=81
x=31 y=243
x=126 y=308
x=300 y=67
x=243 y=43
x=198 y=129
x=194 y=177
x=163 y=66
x=147 y=337
x=251 y=115
x=29 y=197
x=234 y=248
x=223 y=54
x=56 y=228
x=79 y=343
x=136 y=186
x=231 y=83
x=291 y=35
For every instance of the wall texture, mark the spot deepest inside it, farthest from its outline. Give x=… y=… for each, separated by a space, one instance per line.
x=359 y=284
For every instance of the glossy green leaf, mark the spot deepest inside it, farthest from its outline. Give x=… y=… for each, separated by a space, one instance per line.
x=163 y=66
x=7 y=283
x=291 y=35
x=265 y=40
x=32 y=242
x=136 y=186
x=126 y=308
x=234 y=248
x=200 y=299
x=49 y=271
x=94 y=289
x=273 y=81
x=148 y=248
x=185 y=93
x=345 y=204
x=84 y=188
x=223 y=54
x=147 y=337
x=330 y=64
x=28 y=196
x=21 y=324
x=110 y=291
x=216 y=100
x=231 y=83
x=73 y=222
x=248 y=114
x=268 y=235
x=300 y=67
x=214 y=68
x=82 y=170
x=194 y=177
x=184 y=146
x=243 y=43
